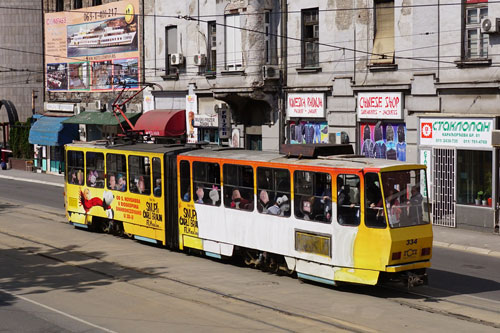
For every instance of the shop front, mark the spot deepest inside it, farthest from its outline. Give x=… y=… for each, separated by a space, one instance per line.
x=461 y=171
x=49 y=135
x=306 y=118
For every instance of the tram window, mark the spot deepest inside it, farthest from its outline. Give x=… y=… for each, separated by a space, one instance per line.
x=313 y=196
x=116 y=172
x=206 y=183
x=238 y=187
x=75 y=167
x=273 y=189
x=185 y=181
x=348 y=203
x=157 y=177
x=95 y=169
x=139 y=174
x=374 y=208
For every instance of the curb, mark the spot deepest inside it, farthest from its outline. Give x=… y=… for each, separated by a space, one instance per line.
x=465 y=248
x=32 y=181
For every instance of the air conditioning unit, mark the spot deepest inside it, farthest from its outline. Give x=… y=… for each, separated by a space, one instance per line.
x=199 y=59
x=176 y=59
x=270 y=72
x=489 y=25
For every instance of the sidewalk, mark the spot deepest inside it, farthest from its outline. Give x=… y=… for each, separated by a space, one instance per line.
x=456 y=239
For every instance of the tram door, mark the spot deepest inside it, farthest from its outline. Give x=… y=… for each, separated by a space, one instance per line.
x=443 y=182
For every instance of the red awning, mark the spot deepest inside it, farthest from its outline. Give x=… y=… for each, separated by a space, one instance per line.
x=162 y=122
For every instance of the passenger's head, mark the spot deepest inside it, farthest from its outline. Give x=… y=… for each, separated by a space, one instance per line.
x=112 y=181
x=199 y=192
x=158 y=182
x=264 y=196
x=236 y=194
x=141 y=185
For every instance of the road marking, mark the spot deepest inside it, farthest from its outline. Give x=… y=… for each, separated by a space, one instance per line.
x=32 y=181
x=58 y=311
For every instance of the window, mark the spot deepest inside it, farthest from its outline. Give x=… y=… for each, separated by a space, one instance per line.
x=116 y=172
x=270 y=37
x=273 y=188
x=171 y=42
x=374 y=206
x=403 y=199
x=95 y=169
x=383 y=43
x=473 y=177
x=96 y=2
x=77 y=4
x=185 y=175
x=238 y=187
x=234 y=53
x=59 y=5
x=212 y=47
x=348 y=200
x=476 y=43
x=139 y=174
x=310 y=37
x=75 y=167
x=157 y=183
x=206 y=183
x=313 y=196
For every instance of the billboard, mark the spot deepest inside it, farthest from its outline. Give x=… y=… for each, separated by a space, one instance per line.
x=93 y=49
x=386 y=141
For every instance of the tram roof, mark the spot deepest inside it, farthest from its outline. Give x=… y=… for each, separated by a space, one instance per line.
x=333 y=161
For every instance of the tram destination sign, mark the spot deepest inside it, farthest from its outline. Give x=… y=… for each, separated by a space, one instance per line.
x=459 y=132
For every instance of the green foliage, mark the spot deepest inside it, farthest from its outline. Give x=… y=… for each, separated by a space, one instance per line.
x=18 y=140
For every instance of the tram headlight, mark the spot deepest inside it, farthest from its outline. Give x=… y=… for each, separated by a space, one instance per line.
x=396 y=255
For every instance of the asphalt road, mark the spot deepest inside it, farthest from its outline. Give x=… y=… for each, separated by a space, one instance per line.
x=55 y=278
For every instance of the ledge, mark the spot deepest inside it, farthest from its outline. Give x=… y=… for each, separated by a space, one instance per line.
x=170 y=77
x=235 y=73
x=210 y=75
x=308 y=70
x=467 y=63
x=382 y=67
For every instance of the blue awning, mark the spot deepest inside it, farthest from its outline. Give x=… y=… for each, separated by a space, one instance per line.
x=48 y=131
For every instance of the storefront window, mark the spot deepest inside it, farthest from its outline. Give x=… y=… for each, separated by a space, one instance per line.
x=382 y=140
x=474 y=177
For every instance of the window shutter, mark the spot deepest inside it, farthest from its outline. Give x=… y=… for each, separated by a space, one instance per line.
x=384 y=34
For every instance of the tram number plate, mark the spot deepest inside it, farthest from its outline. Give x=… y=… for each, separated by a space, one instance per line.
x=411 y=241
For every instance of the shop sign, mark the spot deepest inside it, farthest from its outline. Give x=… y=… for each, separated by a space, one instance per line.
x=426 y=183
x=460 y=132
x=304 y=105
x=59 y=107
x=191 y=111
x=224 y=122
x=205 y=120
x=375 y=105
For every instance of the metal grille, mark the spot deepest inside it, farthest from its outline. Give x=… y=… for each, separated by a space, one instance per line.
x=443 y=209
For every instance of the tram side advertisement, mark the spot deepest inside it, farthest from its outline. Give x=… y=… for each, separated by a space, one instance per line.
x=93 y=49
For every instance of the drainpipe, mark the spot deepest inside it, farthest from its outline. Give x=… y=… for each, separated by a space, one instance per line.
x=284 y=71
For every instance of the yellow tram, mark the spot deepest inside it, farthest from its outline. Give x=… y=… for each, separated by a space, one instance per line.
x=328 y=219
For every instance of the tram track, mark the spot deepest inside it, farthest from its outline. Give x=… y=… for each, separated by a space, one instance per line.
x=326 y=323
x=403 y=297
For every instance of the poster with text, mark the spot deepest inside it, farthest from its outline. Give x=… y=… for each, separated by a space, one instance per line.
x=94 y=48
x=386 y=141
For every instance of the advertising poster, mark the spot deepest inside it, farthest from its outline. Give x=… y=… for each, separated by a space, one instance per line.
x=93 y=49
x=191 y=111
x=308 y=132
x=386 y=141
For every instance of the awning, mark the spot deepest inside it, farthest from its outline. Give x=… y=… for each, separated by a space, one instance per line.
x=100 y=118
x=163 y=122
x=50 y=131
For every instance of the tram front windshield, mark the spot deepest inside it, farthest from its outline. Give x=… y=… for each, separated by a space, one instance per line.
x=404 y=200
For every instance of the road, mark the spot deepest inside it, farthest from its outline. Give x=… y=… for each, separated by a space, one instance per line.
x=56 y=278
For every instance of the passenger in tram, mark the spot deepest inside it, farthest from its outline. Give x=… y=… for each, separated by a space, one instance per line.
x=112 y=182
x=79 y=177
x=393 y=207
x=416 y=205
x=214 y=195
x=237 y=201
x=200 y=193
x=157 y=188
x=306 y=209
x=143 y=186
x=122 y=184
x=276 y=209
x=263 y=203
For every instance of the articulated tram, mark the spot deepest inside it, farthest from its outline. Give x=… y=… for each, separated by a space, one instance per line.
x=328 y=219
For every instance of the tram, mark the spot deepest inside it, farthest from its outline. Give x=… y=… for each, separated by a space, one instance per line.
x=330 y=219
